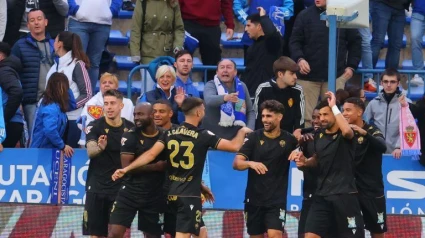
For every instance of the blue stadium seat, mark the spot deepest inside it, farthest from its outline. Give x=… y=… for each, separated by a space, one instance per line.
x=122 y=86
x=238 y=61
x=379 y=65
x=197 y=61
x=369 y=95
x=234 y=43
x=125 y=14
x=408 y=19
x=117 y=38
x=128 y=34
x=403 y=45
x=124 y=62
x=407 y=64
x=415 y=93
x=200 y=86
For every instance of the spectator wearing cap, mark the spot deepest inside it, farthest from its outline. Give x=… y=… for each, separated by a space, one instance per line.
x=267 y=47
x=11 y=95
x=228 y=105
x=284 y=89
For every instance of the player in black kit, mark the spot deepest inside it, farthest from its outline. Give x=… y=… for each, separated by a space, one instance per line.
x=186 y=147
x=335 y=207
x=265 y=152
x=370 y=147
x=310 y=173
x=103 y=148
x=141 y=191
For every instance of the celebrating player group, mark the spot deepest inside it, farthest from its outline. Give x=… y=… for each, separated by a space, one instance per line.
x=153 y=168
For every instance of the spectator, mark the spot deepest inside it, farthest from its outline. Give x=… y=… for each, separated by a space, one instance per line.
x=127 y=5
x=157 y=30
x=284 y=89
x=36 y=53
x=11 y=95
x=3 y=18
x=202 y=21
x=51 y=122
x=165 y=88
x=92 y=20
x=417 y=30
x=419 y=113
x=55 y=12
x=14 y=17
x=267 y=48
x=228 y=105
x=184 y=65
x=93 y=109
x=355 y=92
x=388 y=17
x=309 y=47
x=73 y=62
x=243 y=8
x=367 y=63
x=384 y=110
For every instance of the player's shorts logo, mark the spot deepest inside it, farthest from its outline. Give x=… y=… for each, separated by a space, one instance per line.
x=380 y=217
x=161 y=218
x=95 y=111
x=123 y=140
x=352 y=224
x=85 y=218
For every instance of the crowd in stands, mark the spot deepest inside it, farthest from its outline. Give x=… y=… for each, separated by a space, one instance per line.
x=48 y=75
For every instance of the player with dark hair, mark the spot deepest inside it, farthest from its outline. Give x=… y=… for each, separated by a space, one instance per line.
x=368 y=157
x=162 y=114
x=265 y=152
x=103 y=148
x=335 y=205
x=141 y=191
x=182 y=145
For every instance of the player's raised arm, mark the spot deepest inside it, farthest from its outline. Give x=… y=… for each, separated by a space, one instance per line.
x=142 y=160
x=236 y=143
x=343 y=125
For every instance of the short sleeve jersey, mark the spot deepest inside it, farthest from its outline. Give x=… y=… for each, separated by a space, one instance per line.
x=146 y=185
x=187 y=147
x=368 y=175
x=104 y=165
x=335 y=156
x=271 y=187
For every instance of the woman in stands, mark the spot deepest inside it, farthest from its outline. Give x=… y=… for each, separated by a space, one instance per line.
x=165 y=89
x=156 y=30
x=94 y=107
x=73 y=62
x=50 y=124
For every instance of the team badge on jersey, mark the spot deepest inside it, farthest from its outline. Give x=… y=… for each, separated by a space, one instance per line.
x=123 y=140
x=282 y=143
x=360 y=140
x=106 y=130
x=88 y=129
x=95 y=111
x=261 y=142
x=290 y=102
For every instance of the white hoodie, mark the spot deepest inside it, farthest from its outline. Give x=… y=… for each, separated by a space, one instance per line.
x=94 y=11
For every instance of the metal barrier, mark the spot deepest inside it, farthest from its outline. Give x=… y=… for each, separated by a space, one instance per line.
x=376 y=72
x=195 y=68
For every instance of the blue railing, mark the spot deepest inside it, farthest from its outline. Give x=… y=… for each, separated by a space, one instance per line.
x=413 y=93
x=196 y=68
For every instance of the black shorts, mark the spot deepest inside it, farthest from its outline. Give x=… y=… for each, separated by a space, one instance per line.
x=303 y=216
x=335 y=214
x=150 y=213
x=96 y=214
x=374 y=214
x=259 y=219
x=183 y=215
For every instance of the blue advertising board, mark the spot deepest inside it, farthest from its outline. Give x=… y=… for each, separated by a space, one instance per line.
x=25 y=176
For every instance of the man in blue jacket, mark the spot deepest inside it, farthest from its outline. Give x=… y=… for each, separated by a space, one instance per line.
x=36 y=53
x=184 y=65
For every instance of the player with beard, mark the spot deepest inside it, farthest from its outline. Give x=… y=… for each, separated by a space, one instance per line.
x=310 y=173
x=335 y=205
x=103 y=149
x=141 y=191
x=265 y=152
x=183 y=145
x=370 y=147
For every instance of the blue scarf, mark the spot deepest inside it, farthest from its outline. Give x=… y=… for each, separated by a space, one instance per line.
x=232 y=114
x=2 y=124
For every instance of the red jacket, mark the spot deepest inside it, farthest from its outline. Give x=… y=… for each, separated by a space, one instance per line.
x=208 y=12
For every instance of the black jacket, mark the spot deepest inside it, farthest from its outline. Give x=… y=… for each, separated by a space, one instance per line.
x=261 y=55
x=418 y=111
x=11 y=86
x=310 y=41
x=292 y=99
